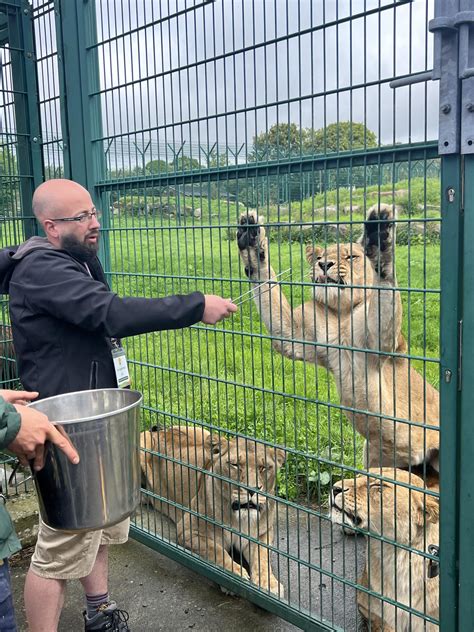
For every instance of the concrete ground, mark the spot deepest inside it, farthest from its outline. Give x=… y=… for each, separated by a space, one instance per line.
x=160 y=594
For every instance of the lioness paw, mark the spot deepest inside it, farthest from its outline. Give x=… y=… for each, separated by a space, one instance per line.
x=378 y=238
x=276 y=588
x=252 y=241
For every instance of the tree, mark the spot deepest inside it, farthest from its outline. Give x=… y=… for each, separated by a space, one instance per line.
x=157 y=166
x=185 y=163
x=338 y=137
x=282 y=140
x=286 y=140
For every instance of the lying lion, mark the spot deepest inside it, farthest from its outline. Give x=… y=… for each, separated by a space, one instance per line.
x=410 y=517
x=244 y=507
x=352 y=327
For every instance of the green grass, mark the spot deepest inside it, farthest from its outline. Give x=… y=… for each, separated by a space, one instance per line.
x=229 y=376
x=226 y=378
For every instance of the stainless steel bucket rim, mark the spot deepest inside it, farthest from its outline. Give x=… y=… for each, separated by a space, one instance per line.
x=93 y=417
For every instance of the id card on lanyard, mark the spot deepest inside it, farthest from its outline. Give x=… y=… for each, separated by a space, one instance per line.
x=119 y=359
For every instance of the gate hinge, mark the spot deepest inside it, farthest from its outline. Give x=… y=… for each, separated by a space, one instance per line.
x=460 y=331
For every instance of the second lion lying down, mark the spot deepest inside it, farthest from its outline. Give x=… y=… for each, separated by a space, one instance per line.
x=205 y=487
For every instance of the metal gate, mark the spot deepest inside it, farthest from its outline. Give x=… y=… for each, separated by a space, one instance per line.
x=190 y=120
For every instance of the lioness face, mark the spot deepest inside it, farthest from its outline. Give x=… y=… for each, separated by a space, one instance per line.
x=335 y=270
x=383 y=507
x=252 y=465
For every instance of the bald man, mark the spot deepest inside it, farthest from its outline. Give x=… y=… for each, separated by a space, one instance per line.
x=67 y=325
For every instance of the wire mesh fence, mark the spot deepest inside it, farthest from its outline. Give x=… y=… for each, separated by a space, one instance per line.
x=231 y=141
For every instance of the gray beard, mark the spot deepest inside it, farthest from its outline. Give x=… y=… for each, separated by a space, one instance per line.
x=82 y=252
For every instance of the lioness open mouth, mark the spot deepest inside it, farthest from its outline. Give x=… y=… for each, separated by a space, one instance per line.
x=355 y=521
x=237 y=506
x=323 y=279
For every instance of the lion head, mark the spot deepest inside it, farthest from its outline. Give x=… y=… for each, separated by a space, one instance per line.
x=385 y=507
x=252 y=465
x=340 y=273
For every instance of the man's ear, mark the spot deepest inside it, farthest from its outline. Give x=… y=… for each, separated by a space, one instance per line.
x=312 y=253
x=50 y=228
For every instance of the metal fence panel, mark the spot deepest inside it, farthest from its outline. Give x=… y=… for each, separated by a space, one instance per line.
x=190 y=119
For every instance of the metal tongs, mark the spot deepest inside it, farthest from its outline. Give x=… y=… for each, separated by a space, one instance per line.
x=238 y=299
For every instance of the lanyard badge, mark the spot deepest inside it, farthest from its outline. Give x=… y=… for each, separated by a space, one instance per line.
x=119 y=359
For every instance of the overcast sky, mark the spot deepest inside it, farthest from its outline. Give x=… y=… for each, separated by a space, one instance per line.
x=175 y=70
x=228 y=69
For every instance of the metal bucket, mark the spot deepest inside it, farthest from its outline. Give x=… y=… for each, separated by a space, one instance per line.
x=104 y=488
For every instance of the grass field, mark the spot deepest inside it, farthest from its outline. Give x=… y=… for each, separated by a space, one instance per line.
x=228 y=376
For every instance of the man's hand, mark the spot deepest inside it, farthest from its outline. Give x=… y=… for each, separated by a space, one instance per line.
x=216 y=309
x=35 y=429
x=18 y=397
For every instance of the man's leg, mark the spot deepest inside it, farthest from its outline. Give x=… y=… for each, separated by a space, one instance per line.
x=102 y=613
x=44 y=600
x=96 y=582
x=58 y=556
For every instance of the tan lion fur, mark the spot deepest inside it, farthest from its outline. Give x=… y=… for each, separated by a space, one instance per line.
x=252 y=465
x=356 y=308
x=407 y=516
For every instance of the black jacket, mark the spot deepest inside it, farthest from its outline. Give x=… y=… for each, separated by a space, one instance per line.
x=62 y=318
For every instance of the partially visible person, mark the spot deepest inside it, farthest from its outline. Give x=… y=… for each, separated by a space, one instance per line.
x=24 y=432
x=67 y=325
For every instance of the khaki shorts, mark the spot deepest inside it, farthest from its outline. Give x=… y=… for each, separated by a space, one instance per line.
x=63 y=555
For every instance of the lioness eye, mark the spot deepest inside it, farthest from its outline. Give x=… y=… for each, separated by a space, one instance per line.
x=352 y=257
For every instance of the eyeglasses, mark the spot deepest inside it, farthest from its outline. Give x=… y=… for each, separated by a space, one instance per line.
x=82 y=218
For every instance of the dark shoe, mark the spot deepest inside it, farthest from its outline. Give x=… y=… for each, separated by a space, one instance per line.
x=108 y=619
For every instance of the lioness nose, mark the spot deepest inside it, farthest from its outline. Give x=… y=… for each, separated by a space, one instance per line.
x=325 y=265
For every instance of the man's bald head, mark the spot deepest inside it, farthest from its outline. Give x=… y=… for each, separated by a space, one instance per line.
x=57 y=201
x=60 y=198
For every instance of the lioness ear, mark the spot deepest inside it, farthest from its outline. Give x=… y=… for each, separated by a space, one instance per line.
x=148 y=440
x=215 y=444
x=312 y=252
x=432 y=509
x=280 y=457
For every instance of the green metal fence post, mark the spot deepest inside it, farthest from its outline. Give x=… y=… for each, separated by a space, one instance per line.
x=451 y=275
x=28 y=130
x=466 y=426
x=81 y=115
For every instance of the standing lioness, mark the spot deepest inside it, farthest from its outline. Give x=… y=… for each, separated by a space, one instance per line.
x=225 y=481
x=352 y=327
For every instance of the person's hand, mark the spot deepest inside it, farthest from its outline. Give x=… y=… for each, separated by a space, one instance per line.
x=18 y=397
x=216 y=309
x=35 y=429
